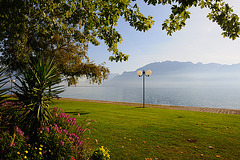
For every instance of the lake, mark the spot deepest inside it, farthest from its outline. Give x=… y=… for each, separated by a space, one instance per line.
x=196 y=97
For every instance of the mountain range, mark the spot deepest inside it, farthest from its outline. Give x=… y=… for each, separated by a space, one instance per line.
x=172 y=74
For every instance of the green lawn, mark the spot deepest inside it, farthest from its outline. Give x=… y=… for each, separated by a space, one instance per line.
x=138 y=133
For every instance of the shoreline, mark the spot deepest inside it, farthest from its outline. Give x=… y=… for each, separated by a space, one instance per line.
x=186 y=108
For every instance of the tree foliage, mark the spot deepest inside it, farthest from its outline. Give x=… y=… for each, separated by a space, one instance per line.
x=63 y=29
x=221 y=13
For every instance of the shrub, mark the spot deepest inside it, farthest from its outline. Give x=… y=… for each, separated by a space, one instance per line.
x=64 y=136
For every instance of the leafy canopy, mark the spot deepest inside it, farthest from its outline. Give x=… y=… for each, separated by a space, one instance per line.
x=63 y=29
x=221 y=13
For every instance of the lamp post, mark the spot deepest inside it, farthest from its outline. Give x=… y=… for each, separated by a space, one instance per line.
x=144 y=74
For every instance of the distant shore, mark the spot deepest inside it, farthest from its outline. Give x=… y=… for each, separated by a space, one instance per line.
x=197 y=109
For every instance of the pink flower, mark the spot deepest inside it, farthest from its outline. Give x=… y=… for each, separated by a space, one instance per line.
x=19 y=131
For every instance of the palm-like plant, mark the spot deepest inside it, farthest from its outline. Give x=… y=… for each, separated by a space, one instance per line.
x=39 y=80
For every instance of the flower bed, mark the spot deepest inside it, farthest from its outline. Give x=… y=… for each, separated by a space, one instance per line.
x=59 y=138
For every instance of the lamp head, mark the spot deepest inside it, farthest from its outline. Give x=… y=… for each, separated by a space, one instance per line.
x=139 y=73
x=148 y=72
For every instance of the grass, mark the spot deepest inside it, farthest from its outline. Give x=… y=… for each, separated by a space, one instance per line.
x=138 y=133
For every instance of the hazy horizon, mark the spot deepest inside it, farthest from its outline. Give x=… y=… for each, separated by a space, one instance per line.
x=174 y=74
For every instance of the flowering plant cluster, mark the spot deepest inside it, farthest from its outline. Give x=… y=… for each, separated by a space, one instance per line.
x=11 y=114
x=63 y=136
x=60 y=138
x=101 y=153
x=12 y=144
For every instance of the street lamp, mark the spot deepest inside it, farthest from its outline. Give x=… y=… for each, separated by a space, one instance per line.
x=143 y=74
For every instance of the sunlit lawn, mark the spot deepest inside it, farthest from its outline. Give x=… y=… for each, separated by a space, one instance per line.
x=139 y=133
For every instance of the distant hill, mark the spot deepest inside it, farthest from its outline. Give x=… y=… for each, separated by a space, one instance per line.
x=171 y=74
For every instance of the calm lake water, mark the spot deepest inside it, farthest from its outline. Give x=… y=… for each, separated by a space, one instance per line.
x=195 y=97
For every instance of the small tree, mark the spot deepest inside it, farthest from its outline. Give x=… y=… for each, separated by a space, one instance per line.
x=36 y=79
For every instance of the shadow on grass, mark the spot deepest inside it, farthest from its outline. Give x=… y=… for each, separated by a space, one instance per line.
x=76 y=113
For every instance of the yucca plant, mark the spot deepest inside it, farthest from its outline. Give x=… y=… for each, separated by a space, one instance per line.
x=39 y=80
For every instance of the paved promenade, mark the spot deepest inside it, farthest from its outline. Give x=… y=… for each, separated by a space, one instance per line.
x=197 y=109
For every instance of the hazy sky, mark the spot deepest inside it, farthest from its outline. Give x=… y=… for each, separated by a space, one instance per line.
x=199 y=41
